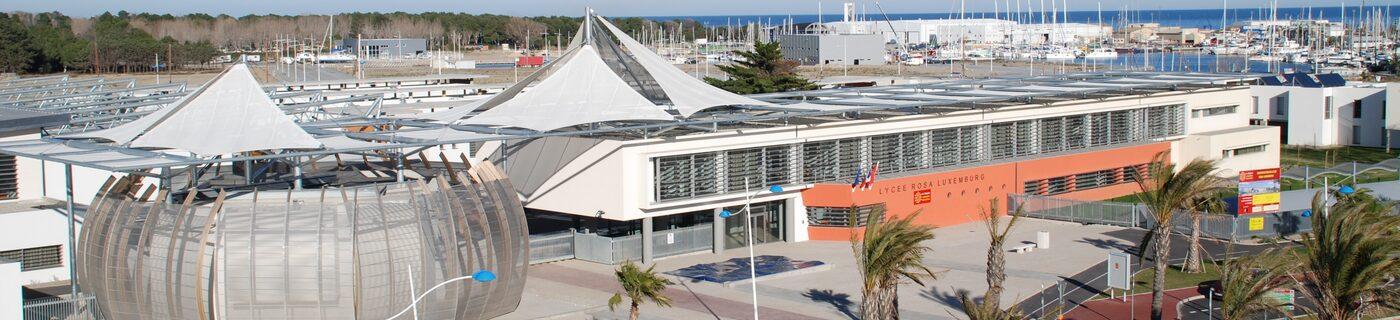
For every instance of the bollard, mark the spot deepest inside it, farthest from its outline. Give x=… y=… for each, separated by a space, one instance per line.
x=1042 y=240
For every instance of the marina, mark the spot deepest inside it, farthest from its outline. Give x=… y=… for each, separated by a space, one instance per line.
x=624 y=162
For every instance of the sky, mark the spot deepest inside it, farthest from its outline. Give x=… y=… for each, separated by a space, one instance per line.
x=618 y=8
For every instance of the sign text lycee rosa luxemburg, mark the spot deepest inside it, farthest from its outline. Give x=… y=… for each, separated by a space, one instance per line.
x=929 y=184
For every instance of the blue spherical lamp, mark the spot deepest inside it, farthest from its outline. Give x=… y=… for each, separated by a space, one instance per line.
x=775 y=189
x=1346 y=190
x=1307 y=213
x=484 y=276
x=725 y=214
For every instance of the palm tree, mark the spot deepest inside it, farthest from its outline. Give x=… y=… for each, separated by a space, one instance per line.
x=990 y=307
x=1245 y=284
x=887 y=253
x=1350 y=256
x=996 y=251
x=1193 y=251
x=1164 y=191
x=984 y=310
x=639 y=286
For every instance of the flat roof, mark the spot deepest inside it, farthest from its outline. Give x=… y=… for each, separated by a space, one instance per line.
x=800 y=107
x=16 y=120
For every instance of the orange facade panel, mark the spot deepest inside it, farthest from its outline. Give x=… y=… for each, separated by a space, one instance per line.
x=958 y=196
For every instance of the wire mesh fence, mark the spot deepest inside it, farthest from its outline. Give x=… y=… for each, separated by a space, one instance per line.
x=61 y=308
x=1134 y=215
x=551 y=247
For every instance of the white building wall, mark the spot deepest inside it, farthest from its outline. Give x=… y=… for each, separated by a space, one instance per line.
x=37 y=228
x=1266 y=98
x=11 y=292
x=1343 y=102
x=1308 y=124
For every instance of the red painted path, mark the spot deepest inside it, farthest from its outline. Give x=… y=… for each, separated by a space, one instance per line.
x=1117 y=309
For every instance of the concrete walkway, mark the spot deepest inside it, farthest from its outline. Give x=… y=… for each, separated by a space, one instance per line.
x=579 y=290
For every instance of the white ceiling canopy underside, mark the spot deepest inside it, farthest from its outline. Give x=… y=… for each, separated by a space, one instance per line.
x=687 y=94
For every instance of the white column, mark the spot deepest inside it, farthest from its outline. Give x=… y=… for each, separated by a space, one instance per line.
x=719 y=232
x=646 y=240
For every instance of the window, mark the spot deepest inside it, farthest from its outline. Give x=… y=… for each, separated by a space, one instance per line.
x=686 y=176
x=841 y=216
x=1214 y=111
x=38 y=258
x=1327 y=108
x=1256 y=104
x=1003 y=140
x=831 y=160
x=1032 y=187
x=898 y=152
x=760 y=167
x=1281 y=104
x=1356 y=109
x=1241 y=151
x=1086 y=180
x=9 y=177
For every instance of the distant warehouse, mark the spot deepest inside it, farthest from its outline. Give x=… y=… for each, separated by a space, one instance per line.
x=838 y=49
x=387 y=48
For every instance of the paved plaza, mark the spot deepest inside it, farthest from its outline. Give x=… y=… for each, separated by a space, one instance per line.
x=577 y=289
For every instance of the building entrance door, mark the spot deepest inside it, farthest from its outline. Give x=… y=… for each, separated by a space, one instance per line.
x=766 y=218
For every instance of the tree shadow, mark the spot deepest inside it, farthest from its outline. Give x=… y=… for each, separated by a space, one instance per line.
x=947 y=298
x=1082 y=285
x=1107 y=244
x=841 y=301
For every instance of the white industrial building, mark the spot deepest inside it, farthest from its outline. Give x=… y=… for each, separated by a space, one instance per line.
x=833 y=48
x=1326 y=111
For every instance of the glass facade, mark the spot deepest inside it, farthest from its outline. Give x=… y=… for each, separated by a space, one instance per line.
x=724 y=172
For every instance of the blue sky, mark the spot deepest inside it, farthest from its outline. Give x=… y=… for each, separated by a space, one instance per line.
x=573 y=7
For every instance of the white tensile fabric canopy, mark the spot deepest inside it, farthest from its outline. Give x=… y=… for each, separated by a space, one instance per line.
x=230 y=114
x=581 y=90
x=688 y=94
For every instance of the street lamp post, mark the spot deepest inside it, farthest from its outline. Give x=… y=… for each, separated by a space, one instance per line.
x=748 y=232
x=480 y=276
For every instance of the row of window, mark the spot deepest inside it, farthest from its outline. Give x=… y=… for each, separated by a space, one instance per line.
x=1085 y=181
x=36 y=258
x=842 y=217
x=1213 y=111
x=708 y=173
x=1280 y=106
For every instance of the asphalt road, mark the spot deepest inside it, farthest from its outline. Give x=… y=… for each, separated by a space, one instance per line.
x=1092 y=281
x=1202 y=309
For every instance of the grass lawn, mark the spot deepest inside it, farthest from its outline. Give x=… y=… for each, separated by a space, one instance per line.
x=1294 y=156
x=1142 y=282
x=1364 y=177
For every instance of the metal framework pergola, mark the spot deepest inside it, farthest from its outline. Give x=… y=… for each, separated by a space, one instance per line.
x=397 y=136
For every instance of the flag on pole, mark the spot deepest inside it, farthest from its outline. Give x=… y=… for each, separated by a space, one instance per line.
x=869 y=180
x=857 y=180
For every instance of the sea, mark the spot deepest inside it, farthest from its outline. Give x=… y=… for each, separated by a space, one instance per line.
x=1190 y=18
x=1186 y=62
